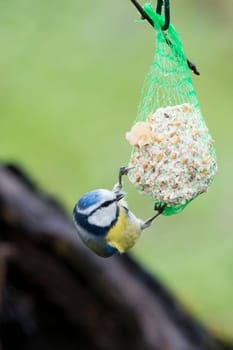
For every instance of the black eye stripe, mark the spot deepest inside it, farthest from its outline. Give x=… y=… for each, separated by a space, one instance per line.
x=107 y=203
x=103 y=205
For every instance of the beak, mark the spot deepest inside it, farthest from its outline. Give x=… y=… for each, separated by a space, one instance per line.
x=120 y=195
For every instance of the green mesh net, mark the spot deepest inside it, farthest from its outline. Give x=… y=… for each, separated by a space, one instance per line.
x=173 y=157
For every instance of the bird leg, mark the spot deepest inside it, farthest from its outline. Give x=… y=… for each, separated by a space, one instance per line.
x=119 y=185
x=159 y=208
x=118 y=190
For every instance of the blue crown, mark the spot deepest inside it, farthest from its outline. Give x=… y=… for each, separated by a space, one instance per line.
x=89 y=199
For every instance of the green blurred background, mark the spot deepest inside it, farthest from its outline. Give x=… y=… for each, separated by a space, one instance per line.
x=71 y=73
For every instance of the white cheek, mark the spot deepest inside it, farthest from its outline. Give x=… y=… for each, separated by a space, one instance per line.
x=104 y=216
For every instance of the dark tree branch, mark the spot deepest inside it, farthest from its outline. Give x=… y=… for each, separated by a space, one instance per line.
x=56 y=294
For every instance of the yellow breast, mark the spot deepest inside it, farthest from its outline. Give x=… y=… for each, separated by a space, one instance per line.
x=125 y=232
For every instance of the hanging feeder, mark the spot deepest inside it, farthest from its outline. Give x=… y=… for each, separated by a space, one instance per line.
x=173 y=157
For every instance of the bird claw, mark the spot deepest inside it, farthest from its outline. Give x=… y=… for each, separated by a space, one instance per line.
x=159 y=208
x=123 y=171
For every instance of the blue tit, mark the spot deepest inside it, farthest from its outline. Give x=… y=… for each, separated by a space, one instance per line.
x=104 y=222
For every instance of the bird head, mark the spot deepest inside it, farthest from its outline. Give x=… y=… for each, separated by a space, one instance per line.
x=94 y=214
